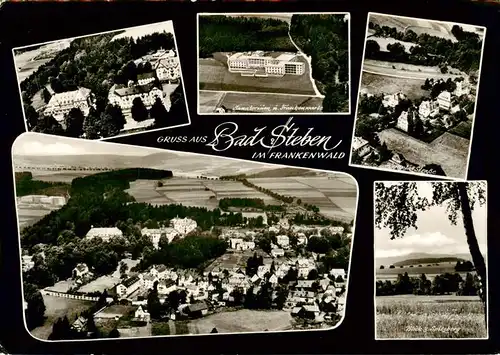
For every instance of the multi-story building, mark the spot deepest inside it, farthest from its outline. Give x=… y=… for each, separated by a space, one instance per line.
x=402 y=123
x=264 y=64
x=27 y=262
x=146 y=78
x=124 y=96
x=56 y=201
x=155 y=235
x=167 y=66
x=462 y=88
x=428 y=109
x=129 y=286
x=183 y=225
x=444 y=100
x=60 y=104
x=283 y=241
x=105 y=234
x=336 y=229
x=80 y=270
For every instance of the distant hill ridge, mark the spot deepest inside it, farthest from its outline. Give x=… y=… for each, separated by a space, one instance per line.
x=283 y=172
x=428 y=261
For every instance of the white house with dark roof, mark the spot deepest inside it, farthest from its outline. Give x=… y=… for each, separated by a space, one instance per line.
x=124 y=96
x=444 y=100
x=129 y=286
x=60 y=104
x=80 y=271
x=146 y=78
x=338 y=272
x=360 y=146
x=260 y=63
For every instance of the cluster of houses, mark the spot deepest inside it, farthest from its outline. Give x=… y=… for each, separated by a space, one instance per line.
x=165 y=68
x=179 y=227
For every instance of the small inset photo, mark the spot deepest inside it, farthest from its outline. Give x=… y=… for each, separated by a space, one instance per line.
x=417 y=96
x=430 y=260
x=103 y=85
x=274 y=63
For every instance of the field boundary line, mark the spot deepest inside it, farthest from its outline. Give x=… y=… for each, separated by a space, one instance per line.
x=260 y=92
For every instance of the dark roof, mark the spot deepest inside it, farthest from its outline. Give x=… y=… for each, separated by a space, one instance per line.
x=195 y=307
x=134 y=90
x=130 y=281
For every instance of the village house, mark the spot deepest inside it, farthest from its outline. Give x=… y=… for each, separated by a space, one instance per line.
x=283 y=223
x=196 y=310
x=305 y=284
x=166 y=286
x=304 y=266
x=106 y=234
x=167 y=66
x=141 y=315
x=80 y=271
x=273 y=280
x=277 y=252
x=301 y=239
x=428 y=109
x=393 y=99
x=338 y=272
x=160 y=272
x=129 y=286
x=60 y=104
x=234 y=242
x=183 y=225
x=336 y=229
x=402 y=122
x=283 y=241
x=262 y=270
x=273 y=229
x=149 y=281
x=444 y=100
x=360 y=146
x=461 y=88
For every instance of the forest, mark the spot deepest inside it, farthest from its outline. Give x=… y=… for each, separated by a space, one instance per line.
x=97 y=63
x=326 y=39
x=444 y=284
x=25 y=185
x=240 y=34
x=465 y=54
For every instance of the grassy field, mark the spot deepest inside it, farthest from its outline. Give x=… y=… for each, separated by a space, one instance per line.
x=412 y=316
x=242 y=321
x=100 y=284
x=384 y=41
x=193 y=192
x=417 y=270
x=57 y=307
x=335 y=197
x=214 y=75
x=448 y=150
x=259 y=103
x=381 y=84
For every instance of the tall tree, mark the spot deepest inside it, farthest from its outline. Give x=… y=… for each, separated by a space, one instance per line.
x=159 y=113
x=49 y=125
x=139 y=111
x=397 y=206
x=35 y=313
x=74 y=122
x=31 y=116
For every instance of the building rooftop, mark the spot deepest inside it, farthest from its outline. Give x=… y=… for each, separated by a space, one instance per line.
x=130 y=281
x=358 y=142
x=134 y=90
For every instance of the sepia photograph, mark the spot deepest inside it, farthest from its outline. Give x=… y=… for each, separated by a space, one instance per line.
x=103 y=85
x=417 y=96
x=274 y=63
x=430 y=260
x=123 y=241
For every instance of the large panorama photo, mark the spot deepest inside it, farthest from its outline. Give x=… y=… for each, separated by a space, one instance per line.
x=103 y=85
x=417 y=96
x=124 y=241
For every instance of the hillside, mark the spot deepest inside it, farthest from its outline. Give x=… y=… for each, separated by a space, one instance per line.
x=420 y=258
x=283 y=172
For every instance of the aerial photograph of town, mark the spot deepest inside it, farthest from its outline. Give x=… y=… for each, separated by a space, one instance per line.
x=277 y=63
x=430 y=260
x=103 y=85
x=417 y=96
x=127 y=241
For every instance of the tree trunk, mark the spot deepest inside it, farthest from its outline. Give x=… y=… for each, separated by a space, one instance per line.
x=475 y=252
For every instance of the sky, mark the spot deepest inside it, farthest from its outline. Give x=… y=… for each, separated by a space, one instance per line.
x=435 y=233
x=40 y=144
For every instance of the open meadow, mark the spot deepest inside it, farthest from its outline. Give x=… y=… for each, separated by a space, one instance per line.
x=100 y=284
x=214 y=75
x=193 y=192
x=448 y=316
x=58 y=307
x=335 y=197
x=244 y=320
x=449 y=151
x=376 y=84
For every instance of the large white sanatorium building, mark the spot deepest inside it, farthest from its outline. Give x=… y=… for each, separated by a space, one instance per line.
x=104 y=233
x=264 y=64
x=60 y=104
